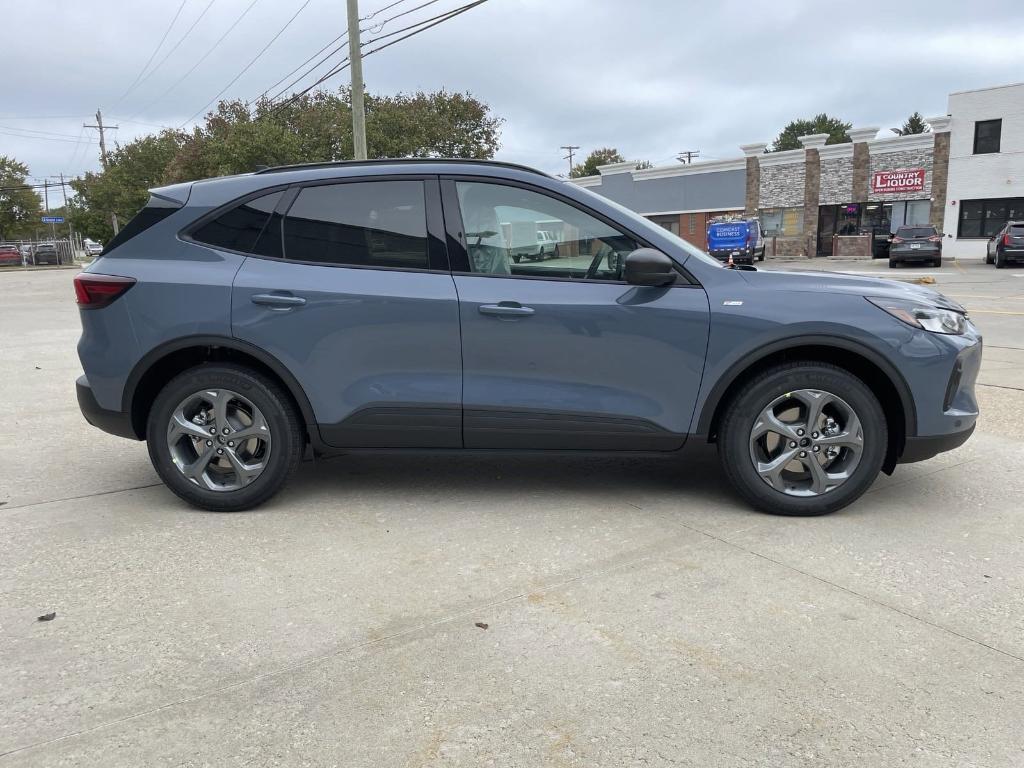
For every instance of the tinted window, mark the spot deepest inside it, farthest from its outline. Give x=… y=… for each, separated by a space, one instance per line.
x=366 y=224
x=501 y=225
x=1017 y=230
x=915 y=232
x=244 y=228
x=155 y=211
x=986 y=136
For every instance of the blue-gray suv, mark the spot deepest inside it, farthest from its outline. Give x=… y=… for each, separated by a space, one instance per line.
x=238 y=324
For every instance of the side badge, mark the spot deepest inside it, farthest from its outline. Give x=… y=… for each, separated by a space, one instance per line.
x=732 y=303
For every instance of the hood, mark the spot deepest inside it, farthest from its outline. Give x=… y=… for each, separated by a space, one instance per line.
x=837 y=282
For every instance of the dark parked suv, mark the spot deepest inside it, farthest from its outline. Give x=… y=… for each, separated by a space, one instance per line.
x=912 y=244
x=239 y=323
x=1006 y=245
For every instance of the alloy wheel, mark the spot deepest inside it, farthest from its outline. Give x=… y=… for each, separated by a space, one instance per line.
x=219 y=440
x=807 y=442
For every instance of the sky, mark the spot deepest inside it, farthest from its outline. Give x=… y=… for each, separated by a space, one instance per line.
x=649 y=77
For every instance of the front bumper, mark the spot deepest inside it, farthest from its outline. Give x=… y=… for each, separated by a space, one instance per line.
x=739 y=256
x=922 y=448
x=115 y=422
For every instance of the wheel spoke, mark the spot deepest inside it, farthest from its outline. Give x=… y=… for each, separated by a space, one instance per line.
x=820 y=479
x=768 y=422
x=196 y=470
x=219 y=398
x=772 y=470
x=246 y=473
x=258 y=428
x=815 y=400
x=182 y=425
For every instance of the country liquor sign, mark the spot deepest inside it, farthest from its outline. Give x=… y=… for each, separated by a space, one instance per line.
x=907 y=180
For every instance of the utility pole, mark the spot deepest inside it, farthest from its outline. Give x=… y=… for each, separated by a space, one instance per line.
x=687 y=155
x=571 y=149
x=355 y=64
x=103 y=153
x=67 y=218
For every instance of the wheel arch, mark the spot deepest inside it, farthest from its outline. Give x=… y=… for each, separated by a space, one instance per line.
x=169 y=359
x=874 y=370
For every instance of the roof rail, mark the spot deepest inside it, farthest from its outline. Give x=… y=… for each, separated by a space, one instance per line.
x=398 y=161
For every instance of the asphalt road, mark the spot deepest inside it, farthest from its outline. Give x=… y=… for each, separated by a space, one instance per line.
x=410 y=611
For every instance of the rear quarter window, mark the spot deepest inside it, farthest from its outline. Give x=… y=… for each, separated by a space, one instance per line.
x=250 y=227
x=156 y=210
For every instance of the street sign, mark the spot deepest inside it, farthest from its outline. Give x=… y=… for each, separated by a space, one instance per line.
x=53 y=219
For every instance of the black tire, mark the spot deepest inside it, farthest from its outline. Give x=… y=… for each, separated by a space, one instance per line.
x=760 y=256
x=988 y=257
x=1000 y=262
x=516 y=257
x=735 y=430
x=286 y=430
x=937 y=262
x=893 y=263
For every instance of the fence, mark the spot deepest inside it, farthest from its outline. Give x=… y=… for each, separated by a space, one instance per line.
x=43 y=252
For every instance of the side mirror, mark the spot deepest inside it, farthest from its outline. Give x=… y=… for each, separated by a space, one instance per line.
x=646 y=266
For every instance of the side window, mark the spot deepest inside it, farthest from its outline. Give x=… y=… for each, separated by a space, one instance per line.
x=364 y=224
x=503 y=225
x=251 y=227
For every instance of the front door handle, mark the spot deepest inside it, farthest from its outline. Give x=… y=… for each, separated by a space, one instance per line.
x=278 y=301
x=506 y=309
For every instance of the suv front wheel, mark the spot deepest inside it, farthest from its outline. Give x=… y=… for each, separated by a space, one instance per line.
x=224 y=437
x=803 y=438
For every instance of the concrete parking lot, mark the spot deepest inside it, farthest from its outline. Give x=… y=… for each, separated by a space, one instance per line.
x=450 y=610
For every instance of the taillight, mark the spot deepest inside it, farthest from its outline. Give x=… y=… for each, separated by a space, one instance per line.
x=935 y=239
x=897 y=239
x=95 y=291
x=1006 y=239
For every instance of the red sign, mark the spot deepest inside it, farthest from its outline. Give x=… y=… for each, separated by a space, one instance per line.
x=909 y=180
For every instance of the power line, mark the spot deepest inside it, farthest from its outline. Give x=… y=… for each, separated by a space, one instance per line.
x=153 y=54
x=34 y=130
x=181 y=39
x=198 y=61
x=344 y=63
x=304 y=74
x=380 y=25
x=247 y=66
x=71 y=140
x=440 y=20
x=381 y=10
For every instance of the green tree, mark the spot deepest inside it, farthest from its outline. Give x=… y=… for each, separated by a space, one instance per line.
x=914 y=124
x=19 y=206
x=603 y=156
x=314 y=127
x=822 y=123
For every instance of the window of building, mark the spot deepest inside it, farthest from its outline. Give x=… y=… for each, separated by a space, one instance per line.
x=984 y=218
x=671 y=223
x=246 y=228
x=782 y=222
x=501 y=225
x=693 y=223
x=986 y=136
x=364 y=224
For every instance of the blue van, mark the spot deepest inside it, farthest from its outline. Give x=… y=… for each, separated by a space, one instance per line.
x=739 y=238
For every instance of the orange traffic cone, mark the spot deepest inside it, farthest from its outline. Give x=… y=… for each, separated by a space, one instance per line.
x=730 y=263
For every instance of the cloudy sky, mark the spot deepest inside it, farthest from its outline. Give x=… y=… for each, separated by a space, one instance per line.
x=650 y=77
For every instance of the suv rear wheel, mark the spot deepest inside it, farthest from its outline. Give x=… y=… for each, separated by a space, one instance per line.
x=803 y=438
x=223 y=437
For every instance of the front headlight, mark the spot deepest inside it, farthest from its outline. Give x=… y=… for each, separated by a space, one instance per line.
x=927 y=317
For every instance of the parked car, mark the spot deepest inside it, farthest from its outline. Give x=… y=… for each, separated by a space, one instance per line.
x=238 y=323
x=45 y=253
x=913 y=244
x=10 y=255
x=1006 y=245
x=740 y=238
x=545 y=246
x=92 y=248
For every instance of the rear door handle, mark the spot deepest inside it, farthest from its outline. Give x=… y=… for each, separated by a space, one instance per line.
x=506 y=309
x=278 y=301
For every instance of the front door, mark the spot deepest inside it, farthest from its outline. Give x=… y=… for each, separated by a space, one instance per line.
x=562 y=353
x=827 y=219
x=362 y=310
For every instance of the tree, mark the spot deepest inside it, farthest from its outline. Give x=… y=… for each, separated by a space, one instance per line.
x=19 y=205
x=603 y=156
x=914 y=124
x=822 y=123
x=314 y=127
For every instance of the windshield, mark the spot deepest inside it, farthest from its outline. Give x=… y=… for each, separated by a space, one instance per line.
x=915 y=232
x=646 y=226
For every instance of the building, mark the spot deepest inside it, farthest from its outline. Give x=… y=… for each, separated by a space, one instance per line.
x=986 y=166
x=807 y=198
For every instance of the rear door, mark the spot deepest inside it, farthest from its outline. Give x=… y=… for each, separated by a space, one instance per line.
x=360 y=306
x=563 y=353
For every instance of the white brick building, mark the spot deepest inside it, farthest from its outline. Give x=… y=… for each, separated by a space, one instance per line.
x=986 y=166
